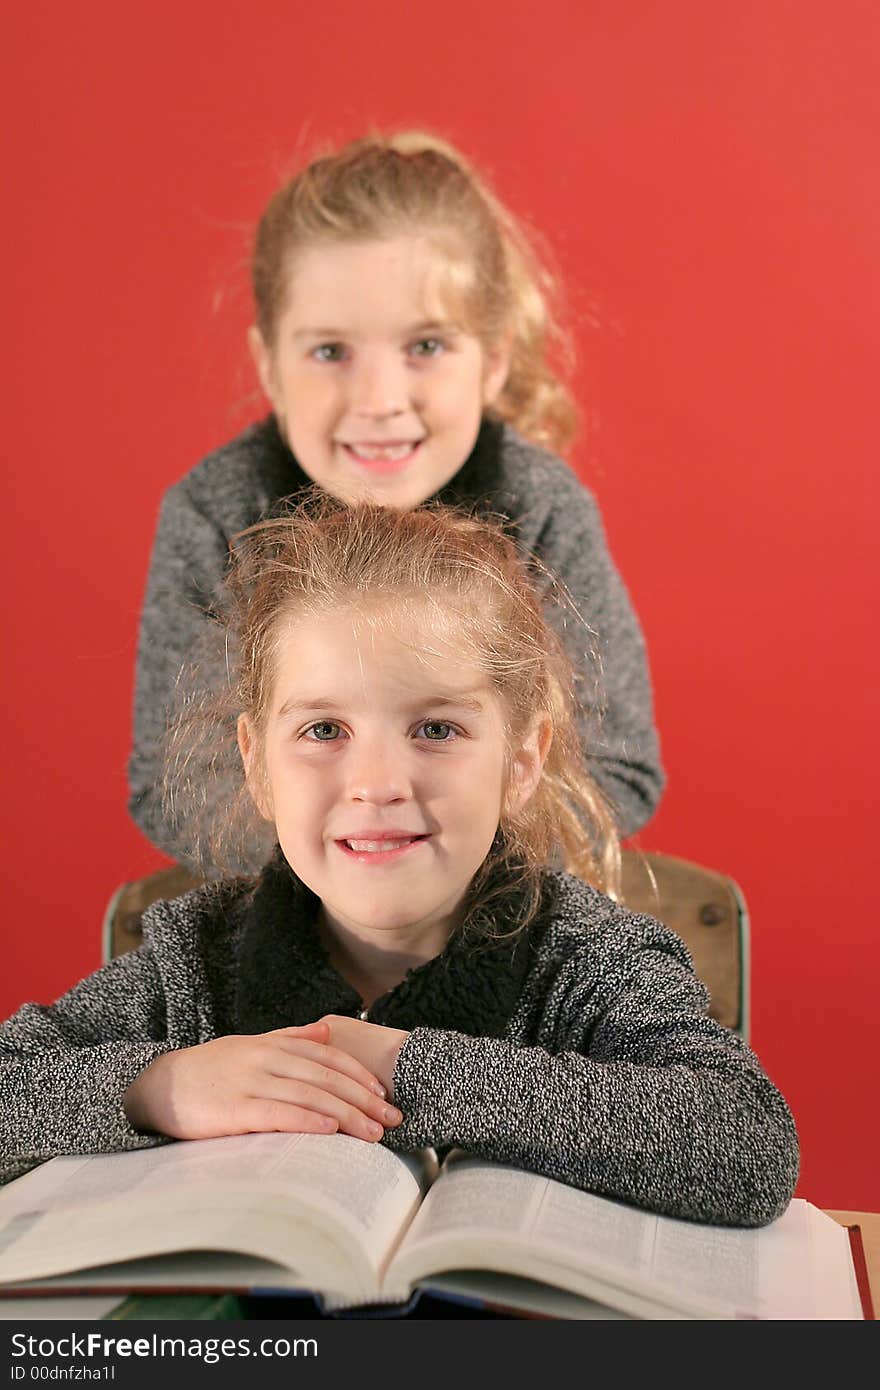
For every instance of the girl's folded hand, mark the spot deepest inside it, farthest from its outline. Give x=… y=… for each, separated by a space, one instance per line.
x=372 y=1044
x=291 y=1080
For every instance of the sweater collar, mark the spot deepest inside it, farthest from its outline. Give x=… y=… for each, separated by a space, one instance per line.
x=285 y=978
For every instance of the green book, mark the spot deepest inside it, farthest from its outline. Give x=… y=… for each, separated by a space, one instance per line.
x=199 y=1307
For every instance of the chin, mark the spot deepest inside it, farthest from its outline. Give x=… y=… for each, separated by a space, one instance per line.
x=384 y=919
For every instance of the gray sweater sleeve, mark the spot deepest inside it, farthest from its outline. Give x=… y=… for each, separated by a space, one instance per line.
x=64 y=1068
x=190 y=556
x=659 y=1107
x=616 y=711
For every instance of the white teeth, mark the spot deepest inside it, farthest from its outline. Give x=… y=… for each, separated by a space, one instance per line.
x=373 y=452
x=377 y=846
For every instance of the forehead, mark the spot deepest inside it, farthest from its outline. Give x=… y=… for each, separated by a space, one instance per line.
x=400 y=281
x=378 y=651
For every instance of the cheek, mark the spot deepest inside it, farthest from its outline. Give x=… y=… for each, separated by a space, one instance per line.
x=457 y=391
x=309 y=398
x=489 y=789
x=470 y=393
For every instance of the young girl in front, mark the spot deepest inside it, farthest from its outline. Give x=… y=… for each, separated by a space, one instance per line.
x=401 y=337
x=406 y=965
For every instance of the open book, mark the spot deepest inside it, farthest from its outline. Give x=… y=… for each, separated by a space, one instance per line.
x=357 y=1226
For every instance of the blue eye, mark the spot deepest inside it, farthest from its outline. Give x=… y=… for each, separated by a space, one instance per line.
x=324 y=731
x=437 y=731
x=329 y=352
x=427 y=347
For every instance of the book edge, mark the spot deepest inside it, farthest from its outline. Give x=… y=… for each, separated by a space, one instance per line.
x=860 y=1265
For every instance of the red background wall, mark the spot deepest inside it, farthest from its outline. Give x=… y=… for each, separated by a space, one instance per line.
x=706 y=174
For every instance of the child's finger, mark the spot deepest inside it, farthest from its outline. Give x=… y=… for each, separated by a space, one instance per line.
x=299 y=1097
x=276 y=1117
x=318 y=1029
x=334 y=1057
x=320 y=1087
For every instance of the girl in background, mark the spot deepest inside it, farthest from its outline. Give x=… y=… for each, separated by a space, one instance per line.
x=401 y=337
x=406 y=965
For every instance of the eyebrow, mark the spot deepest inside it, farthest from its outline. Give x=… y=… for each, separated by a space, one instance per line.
x=432 y=326
x=466 y=699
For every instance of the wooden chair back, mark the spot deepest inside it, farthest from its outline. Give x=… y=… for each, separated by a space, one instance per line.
x=708 y=911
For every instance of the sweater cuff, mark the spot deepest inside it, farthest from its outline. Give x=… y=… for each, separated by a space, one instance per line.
x=435 y=1070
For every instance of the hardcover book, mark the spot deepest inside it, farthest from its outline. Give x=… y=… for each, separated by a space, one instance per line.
x=366 y=1231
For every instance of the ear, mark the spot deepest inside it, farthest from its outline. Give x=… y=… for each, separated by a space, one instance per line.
x=262 y=358
x=528 y=764
x=247 y=747
x=497 y=370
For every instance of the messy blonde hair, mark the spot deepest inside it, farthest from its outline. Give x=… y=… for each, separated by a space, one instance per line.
x=412 y=183
x=382 y=564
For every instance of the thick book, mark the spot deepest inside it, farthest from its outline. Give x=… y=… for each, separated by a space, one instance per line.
x=365 y=1231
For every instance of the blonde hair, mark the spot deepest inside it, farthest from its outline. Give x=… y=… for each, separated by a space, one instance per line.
x=412 y=183
x=325 y=558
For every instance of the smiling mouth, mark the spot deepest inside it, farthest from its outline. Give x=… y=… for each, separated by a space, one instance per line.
x=383 y=458
x=377 y=846
x=380 y=851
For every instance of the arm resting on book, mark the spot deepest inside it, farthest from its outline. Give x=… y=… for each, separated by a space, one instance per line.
x=658 y=1106
x=79 y=1076
x=64 y=1068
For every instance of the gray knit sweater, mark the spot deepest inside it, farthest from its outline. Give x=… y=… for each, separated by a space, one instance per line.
x=581 y=1050
x=551 y=514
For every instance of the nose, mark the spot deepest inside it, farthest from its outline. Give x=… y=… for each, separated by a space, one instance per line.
x=380 y=386
x=377 y=775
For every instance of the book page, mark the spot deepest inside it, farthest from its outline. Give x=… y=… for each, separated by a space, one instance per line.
x=495 y=1218
x=796 y=1268
x=492 y=1217
x=259 y=1194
